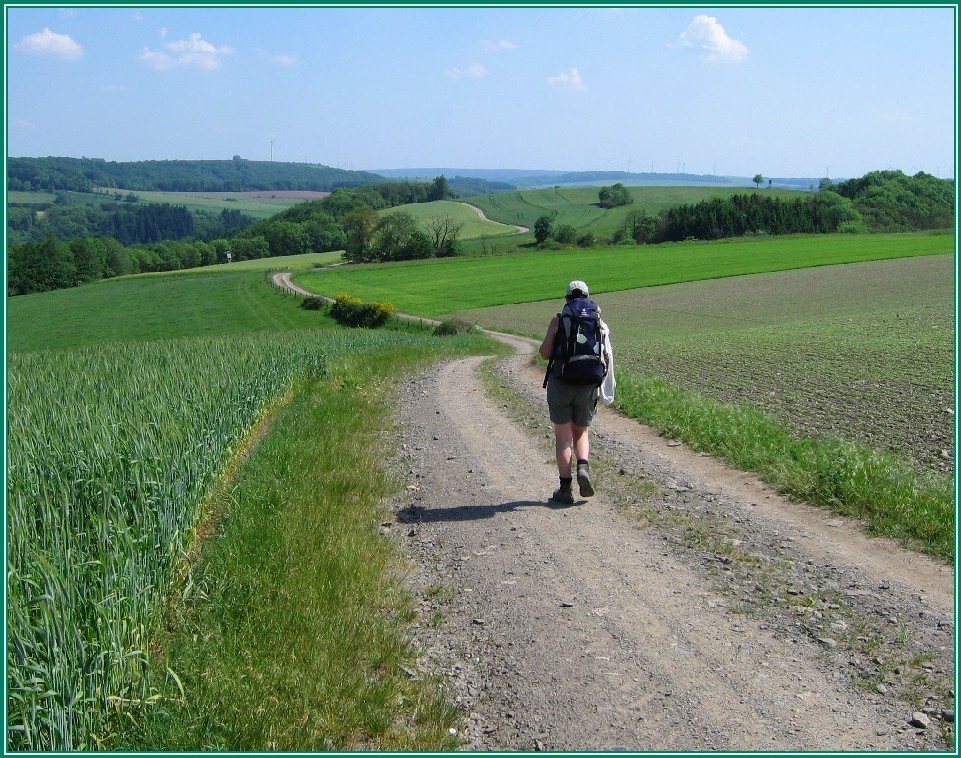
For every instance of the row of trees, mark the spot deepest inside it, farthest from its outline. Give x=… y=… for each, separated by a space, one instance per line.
x=718 y=218
x=549 y=234
x=881 y=201
x=397 y=236
x=236 y=175
x=129 y=222
x=52 y=264
x=52 y=174
x=738 y=215
x=132 y=223
x=345 y=220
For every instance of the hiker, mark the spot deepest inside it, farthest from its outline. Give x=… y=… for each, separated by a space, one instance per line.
x=580 y=370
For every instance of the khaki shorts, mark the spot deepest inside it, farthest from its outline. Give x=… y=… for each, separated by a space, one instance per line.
x=571 y=403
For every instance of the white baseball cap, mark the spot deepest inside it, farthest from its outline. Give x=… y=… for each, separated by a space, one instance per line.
x=577 y=286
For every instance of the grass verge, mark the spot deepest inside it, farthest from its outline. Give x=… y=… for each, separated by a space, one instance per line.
x=888 y=494
x=289 y=634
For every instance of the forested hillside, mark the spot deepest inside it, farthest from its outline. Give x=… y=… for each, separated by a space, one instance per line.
x=237 y=175
x=130 y=222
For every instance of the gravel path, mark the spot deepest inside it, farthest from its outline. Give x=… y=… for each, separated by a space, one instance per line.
x=685 y=607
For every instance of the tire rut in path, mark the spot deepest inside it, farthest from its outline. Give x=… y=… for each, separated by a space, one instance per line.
x=568 y=628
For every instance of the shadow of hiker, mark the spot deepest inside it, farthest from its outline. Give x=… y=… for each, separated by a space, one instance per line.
x=419 y=514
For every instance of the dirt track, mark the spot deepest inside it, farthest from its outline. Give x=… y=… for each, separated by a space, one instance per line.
x=685 y=607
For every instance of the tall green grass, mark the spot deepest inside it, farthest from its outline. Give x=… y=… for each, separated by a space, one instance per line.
x=111 y=451
x=290 y=640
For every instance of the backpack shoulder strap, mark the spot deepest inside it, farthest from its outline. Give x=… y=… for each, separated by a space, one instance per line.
x=557 y=339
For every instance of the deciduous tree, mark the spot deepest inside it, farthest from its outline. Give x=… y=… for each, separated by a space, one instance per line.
x=543 y=228
x=443 y=233
x=615 y=195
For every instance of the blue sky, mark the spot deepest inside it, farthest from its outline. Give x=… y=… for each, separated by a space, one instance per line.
x=729 y=90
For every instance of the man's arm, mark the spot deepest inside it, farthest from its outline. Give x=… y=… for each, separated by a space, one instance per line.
x=547 y=346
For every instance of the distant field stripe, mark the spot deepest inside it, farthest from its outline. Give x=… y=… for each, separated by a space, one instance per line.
x=435 y=288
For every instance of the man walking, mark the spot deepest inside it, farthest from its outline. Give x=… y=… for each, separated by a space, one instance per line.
x=580 y=369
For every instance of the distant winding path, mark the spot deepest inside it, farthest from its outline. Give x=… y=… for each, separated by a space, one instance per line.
x=283 y=281
x=479 y=212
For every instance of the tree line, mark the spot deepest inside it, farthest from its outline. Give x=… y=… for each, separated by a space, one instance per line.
x=881 y=201
x=128 y=223
x=51 y=174
x=345 y=220
x=120 y=215
x=350 y=220
x=744 y=214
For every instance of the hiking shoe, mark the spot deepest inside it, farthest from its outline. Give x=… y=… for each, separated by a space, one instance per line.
x=563 y=495
x=584 y=479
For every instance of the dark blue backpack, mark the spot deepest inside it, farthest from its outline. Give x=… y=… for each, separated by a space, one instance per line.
x=579 y=344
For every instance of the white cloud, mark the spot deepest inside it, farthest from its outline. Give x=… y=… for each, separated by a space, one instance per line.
x=570 y=80
x=285 y=60
x=704 y=32
x=280 y=59
x=501 y=44
x=193 y=52
x=473 y=71
x=52 y=44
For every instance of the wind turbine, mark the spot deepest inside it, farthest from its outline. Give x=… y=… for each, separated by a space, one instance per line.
x=271 y=141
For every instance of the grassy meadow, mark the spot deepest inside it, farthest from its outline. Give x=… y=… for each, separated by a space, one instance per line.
x=458 y=284
x=212 y=300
